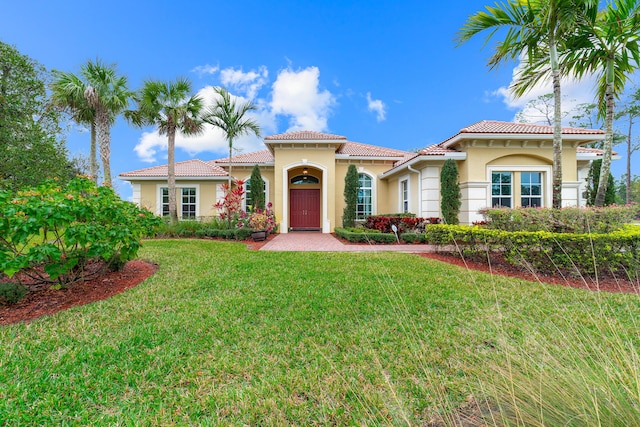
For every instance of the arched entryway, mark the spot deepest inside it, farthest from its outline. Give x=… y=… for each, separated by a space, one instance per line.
x=304 y=199
x=305 y=203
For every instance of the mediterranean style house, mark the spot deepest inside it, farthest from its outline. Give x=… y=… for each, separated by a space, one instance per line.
x=500 y=164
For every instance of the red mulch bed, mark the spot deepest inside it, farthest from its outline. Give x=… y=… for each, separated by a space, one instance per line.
x=497 y=265
x=50 y=301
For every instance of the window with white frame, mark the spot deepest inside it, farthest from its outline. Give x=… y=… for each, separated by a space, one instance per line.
x=531 y=189
x=501 y=189
x=188 y=203
x=165 y=201
x=404 y=195
x=364 y=205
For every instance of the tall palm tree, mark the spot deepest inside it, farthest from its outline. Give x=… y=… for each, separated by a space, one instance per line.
x=607 y=45
x=68 y=94
x=230 y=117
x=535 y=29
x=169 y=106
x=107 y=94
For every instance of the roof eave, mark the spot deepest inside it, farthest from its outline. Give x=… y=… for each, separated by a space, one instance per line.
x=178 y=178
x=425 y=158
x=583 y=138
x=348 y=156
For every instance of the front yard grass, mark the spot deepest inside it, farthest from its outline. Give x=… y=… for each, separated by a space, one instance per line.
x=225 y=336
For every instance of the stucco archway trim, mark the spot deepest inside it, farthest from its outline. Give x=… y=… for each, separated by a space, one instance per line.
x=324 y=218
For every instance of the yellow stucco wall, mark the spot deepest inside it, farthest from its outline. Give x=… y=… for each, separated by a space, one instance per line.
x=320 y=162
x=474 y=168
x=206 y=195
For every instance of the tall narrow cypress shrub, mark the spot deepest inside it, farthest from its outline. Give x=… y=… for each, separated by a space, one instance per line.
x=450 y=192
x=350 y=197
x=256 y=187
x=593 y=180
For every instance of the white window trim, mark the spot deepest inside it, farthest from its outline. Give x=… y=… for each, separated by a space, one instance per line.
x=179 y=188
x=546 y=181
x=374 y=188
x=266 y=192
x=400 y=193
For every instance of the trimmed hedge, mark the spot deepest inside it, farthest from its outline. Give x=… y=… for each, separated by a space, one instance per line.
x=542 y=250
x=229 y=233
x=366 y=236
x=565 y=220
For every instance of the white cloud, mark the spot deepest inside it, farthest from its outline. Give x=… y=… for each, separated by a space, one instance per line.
x=574 y=92
x=248 y=83
x=377 y=106
x=201 y=70
x=296 y=94
x=153 y=146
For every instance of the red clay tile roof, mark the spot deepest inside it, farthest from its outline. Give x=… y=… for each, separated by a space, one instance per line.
x=188 y=168
x=493 y=126
x=359 y=149
x=306 y=135
x=257 y=157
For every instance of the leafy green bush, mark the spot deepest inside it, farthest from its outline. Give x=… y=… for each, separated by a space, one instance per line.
x=542 y=250
x=412 y=237
x=565 y=220
x=62 y=229
x=11 y=293
x=450 y=196
x=366 y=236
x=224 y=233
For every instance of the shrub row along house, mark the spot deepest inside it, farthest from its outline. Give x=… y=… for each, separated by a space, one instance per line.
x=500 y=164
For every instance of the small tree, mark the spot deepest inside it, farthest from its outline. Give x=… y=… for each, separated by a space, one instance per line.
x=350 y=197
x=450 y=192
x=256 y=189
x=593 y=180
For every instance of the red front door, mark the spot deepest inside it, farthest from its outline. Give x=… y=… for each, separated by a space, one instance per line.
x=304 y=209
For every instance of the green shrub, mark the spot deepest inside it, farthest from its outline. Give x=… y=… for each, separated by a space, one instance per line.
x=11 y=293
x=64 y=228
x=543 y=250
x=450 y=196
x=366 y=236
x=412 y=237
x=350 y=197
x=565 y=220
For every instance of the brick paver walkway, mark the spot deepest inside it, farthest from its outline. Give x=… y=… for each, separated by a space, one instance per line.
x=319 y=242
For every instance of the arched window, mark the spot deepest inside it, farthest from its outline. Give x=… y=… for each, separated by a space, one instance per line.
x=304 y=179
x=364 y=206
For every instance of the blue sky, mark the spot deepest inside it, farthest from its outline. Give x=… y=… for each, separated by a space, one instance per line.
x=385 y=73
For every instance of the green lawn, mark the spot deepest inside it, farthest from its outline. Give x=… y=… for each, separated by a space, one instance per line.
x=225 y=336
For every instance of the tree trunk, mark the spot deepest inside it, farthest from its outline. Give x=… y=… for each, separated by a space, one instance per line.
x=93 y=157
x=171 y=180
x=629 y=151
x=557 y=126
x=608 y=137
x=104 y=141
x=229 y=189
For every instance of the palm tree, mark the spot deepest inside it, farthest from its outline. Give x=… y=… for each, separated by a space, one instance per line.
x=168 y=106
x=68 y=94
x=535 y=29
x=107 y=94
x=607 y=45
x=229 y=117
